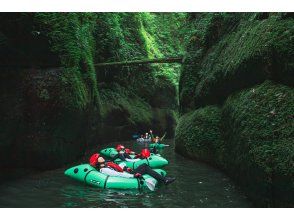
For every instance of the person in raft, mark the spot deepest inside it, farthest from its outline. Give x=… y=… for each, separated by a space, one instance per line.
x=123 y=153
x=146 y=136
x=151 y=134
x=154 y=150
x=157 y=140
x=141 y=138
x=145 y=153
x=112 y=169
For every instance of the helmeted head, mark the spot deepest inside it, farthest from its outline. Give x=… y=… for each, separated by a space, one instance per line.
x=119 y=147
x=128 y=151
x=94 y=159
x=145 y=153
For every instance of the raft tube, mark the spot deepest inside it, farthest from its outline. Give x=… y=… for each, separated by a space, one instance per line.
x=89 y=175
x=158 y=146
x=154 y=161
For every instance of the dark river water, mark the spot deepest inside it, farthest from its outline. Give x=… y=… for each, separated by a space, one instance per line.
x=196 y=185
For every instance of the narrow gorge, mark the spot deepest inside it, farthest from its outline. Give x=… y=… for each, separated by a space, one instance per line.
x=219 y=84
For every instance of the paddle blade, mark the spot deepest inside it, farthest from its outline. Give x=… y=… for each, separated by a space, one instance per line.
x=150 y=183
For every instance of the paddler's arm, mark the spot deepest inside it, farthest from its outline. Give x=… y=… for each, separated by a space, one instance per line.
x=151 y=134
x=163 y=136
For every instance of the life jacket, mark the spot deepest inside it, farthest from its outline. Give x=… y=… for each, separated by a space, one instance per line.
x=93 y=159
x=145 y=153
x=114 y=166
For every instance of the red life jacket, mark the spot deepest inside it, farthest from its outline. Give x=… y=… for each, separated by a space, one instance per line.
x=114 y=166
x=145 y=153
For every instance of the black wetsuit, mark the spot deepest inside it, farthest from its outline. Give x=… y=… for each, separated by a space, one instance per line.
x=153 y=150
x=142 y=169
x=145 y=169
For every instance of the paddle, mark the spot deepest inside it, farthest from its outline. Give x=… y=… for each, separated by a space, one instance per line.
x=150 y=183
x=163 y=136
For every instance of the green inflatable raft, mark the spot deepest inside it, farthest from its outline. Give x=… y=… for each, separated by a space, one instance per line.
x=89 y=175
x=158 y=146
x=154 y=161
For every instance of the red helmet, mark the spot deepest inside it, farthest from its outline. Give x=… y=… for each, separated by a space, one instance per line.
x=119 y=147
x=145 y=153
x=93 y=159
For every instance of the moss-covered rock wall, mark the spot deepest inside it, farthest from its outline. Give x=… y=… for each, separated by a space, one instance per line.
x=237 y=107
x=257 y=125
x=152 y=89
x=198 y=134
x=55 y=103
x=49 y=88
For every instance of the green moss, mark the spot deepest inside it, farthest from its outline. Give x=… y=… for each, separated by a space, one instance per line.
x=149 y=42
x=258 y=50
x=202 y=32
x=198 y=135
x=128 y=36
x=250 y=137
x=258 y=129
x=58 y=108
x=226 y=56
x=124 y=112
x=131 y=108
x=165 y=94
x=71 y=37
x=59 y=97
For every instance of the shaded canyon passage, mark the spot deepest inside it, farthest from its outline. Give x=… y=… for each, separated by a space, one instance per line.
x=197 y=185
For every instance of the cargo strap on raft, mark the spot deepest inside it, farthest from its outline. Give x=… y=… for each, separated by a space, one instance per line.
x=139 y=186
x=105 y=181
x=87 y=175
